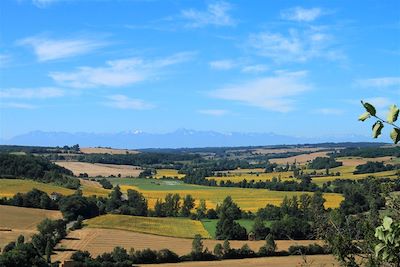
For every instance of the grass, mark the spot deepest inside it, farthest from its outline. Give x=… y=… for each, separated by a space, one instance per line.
x=211 y=225
x=247 y=198
x=9 y=187
x=168 y=173
x=175 y=227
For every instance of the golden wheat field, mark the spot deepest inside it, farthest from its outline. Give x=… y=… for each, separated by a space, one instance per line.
x=103 y=150
x=253 y=174
x=100 y=240
x=98 y=169
x=168 y=173
x=247 y=198
x=176 y=227
x=9 y=187
x=354 y=161
x=21 y=221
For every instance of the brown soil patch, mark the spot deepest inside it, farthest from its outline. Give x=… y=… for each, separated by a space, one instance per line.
x=301 y=159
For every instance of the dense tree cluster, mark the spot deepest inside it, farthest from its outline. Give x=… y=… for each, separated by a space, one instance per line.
x=372 y=167
x=369 y=152
x=32 y=199
x=324 y=163
x=36 y=168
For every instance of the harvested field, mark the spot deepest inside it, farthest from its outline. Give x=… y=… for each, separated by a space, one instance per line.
x=97 y=241
x=286 y=150
x=9 y=187
x=301 y=159
x=103 y=150
x=289 y=261
x=21 y=221
x=354 y=161
x=175 y=227
x=98 y=169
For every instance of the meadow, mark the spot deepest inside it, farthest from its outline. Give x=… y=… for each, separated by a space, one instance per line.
x=247 y=198
x=168 y=226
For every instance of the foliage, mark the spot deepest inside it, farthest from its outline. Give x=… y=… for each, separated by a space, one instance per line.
x=372 y=167
x=388 y=247
x=324 y=163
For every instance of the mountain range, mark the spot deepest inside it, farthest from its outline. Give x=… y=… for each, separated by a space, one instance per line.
x=182 y=138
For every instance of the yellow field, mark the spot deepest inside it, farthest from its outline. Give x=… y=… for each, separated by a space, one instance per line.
x=175 y=227
x=354 y=161
x=102 y=150
x=9 y=187
x=168 y=173
x=98 y=241
x=21 y=221
x=98 y=169
x=240 y=175
x=247 y=198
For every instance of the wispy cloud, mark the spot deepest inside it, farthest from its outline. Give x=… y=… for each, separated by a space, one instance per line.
x=225 y=64
x=329 y=111
x=213 y=112
x=301 y=14
x=44 y=3
x=258 y=68
x=124 y=102
x=119 y=72
x=31 y=93
x=217 y=14
x=379 y=82
x=47 y=49
x=296 y=46
x=4 y=60
x=276 y=93
x=17 y=105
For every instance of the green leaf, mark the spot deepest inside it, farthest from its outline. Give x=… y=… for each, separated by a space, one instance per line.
x=364 y=116
x=369 y=108
x=393 y=114
x=387 y=222
x=395 y=135
x=377 y=129
x=378 y=248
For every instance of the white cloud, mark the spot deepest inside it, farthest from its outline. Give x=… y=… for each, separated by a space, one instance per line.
x=329 y=111
x=296 y=46
x=44 y=3
x=17 y=105
x=51 y=49
x=124 y=102
x=4 y=59
x=216 y=14
x=379 y=82
x=225 y=64
x=213 y=112
x=30 y=93
x=301 y=14
x=255 y=68
x=379 y=102
x=276 y=93
x=119 y=72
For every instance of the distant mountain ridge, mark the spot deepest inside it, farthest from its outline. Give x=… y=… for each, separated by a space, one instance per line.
x=178 y=139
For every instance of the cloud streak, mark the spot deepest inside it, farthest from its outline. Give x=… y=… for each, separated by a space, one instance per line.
x=379 y=82
x=118 y=73
x=217 y=14
x=124 y=102
x=275 y=93
x=31 y=93
x=213 y=112
x=301 y=14
x=47 y=49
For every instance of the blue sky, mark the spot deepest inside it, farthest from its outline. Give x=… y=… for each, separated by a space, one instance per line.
x=289 y=67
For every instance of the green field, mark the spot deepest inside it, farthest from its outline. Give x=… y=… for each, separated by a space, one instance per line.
x=211 y=225
x=175 y=227
x=153 y=184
